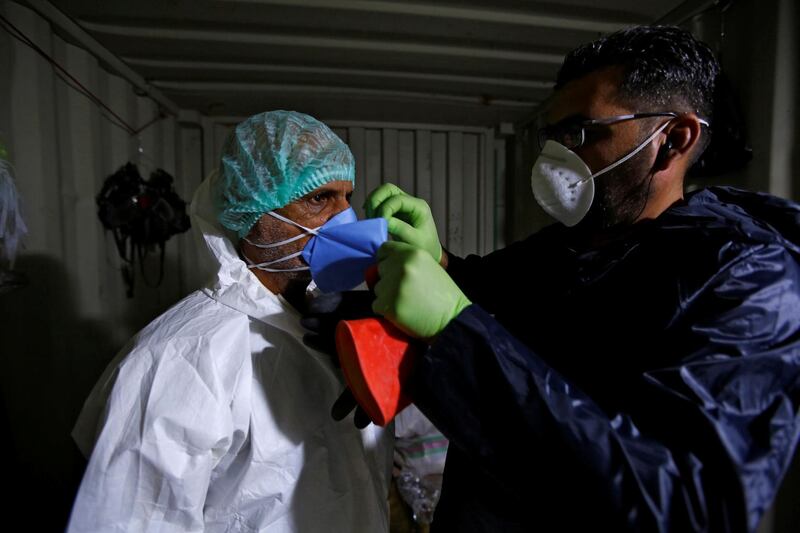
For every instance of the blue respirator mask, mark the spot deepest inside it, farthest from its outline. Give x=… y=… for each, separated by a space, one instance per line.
x=338 y=253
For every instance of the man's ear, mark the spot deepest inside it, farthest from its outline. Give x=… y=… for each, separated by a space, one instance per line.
x=682 y=138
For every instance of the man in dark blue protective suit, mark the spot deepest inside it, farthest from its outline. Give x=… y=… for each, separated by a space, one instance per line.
x=635 y=366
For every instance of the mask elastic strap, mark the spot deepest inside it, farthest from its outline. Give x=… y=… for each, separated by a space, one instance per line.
x=619 y=162
x=266 y=269
x=282 y=218
x=264 y=266
x=313 y=231
x=274 y=244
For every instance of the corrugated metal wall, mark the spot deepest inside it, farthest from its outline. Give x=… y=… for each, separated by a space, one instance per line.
x=60 y=331
x=453 y=169
x=63 y=149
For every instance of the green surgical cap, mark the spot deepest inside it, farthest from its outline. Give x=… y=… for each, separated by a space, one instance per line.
x=272 y=159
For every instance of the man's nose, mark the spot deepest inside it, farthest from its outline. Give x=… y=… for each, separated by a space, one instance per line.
x=342 y=203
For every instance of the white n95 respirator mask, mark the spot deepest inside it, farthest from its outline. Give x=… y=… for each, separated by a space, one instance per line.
x=563 y=184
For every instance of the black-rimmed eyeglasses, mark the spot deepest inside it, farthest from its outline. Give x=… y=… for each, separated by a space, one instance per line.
x=572 y=133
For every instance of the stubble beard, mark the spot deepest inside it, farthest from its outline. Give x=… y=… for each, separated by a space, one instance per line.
x=266 y=234
x=622 y=193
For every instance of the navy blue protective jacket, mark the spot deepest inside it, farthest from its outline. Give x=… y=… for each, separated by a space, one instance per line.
x=648 y=384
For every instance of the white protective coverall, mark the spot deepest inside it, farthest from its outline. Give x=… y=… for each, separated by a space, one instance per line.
x=216 y=417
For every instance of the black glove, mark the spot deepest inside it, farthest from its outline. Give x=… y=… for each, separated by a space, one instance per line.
x=344 y=404
x=323 y=314
x=326 y=310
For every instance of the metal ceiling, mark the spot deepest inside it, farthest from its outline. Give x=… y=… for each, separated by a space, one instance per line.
x=446 y=62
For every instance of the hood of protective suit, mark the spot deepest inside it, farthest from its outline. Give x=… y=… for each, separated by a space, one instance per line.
x=231 y=282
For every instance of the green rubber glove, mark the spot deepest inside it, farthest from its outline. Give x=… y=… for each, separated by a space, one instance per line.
x=409 y=219
x=414 y=291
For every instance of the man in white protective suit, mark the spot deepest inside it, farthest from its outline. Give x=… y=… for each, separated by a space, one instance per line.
x=215 y=417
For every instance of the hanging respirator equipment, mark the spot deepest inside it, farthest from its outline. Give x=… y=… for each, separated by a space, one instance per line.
x=142 y=216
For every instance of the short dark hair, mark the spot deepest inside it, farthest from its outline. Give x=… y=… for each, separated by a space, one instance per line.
x=664 y=68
